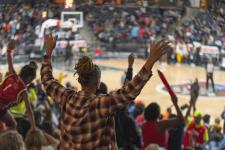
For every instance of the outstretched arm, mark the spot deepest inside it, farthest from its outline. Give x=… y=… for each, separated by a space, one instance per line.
x=129 y=73
x=10 y=47
x=108 y=104
x=49 y=139
x=172 y=123
x=189 y=110
x=53 y=88
x=25 y=97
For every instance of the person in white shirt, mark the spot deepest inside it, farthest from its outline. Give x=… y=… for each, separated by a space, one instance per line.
x=209 y=75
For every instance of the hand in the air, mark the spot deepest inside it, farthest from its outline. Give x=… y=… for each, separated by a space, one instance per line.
x=49 y=43
x=131 y=60
x=11 y=46
x=157 y=50
x=174 y=99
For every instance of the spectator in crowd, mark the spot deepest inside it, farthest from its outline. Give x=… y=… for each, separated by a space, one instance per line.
x=127 y=134
x=196 y=134
x=215 y=134
x=176 y=134
x=87 y=116
x=89 y=105
x=155 y=131
x=206 y=121
x=11 y=140
x=167 y=114
x=17 y=83
x=139 y=113
x=19 y=111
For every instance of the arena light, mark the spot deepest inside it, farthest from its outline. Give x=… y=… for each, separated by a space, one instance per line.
x=44 y=14
x=68 y=3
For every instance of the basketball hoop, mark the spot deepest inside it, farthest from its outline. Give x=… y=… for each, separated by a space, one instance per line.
x=72 y=19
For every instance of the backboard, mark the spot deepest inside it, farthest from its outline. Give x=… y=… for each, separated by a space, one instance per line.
x=72 y=19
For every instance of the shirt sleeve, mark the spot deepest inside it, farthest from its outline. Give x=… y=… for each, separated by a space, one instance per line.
x=110 y=103
x=53 y=88
x=129 y=75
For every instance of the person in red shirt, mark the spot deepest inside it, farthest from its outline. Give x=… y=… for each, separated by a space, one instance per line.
x=13 y=88
x=196 y=133
x=155 y=131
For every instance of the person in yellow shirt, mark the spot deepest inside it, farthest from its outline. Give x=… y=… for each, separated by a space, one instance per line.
x=196 y=133
x=19 y=110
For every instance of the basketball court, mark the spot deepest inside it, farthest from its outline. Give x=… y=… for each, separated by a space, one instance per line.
x=177 y=75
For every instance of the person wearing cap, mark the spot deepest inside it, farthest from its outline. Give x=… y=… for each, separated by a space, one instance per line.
x=196 y=133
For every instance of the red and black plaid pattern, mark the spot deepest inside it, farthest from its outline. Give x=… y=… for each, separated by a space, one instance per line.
x=87 y=120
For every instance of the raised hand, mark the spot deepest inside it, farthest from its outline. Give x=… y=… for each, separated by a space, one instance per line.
x=131 y=60
x=157 y=50
x=174 y=100
x=11 y=46
x=10 y=50
x=49 y=43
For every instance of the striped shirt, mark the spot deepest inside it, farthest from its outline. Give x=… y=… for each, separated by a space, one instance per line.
x=86 y=122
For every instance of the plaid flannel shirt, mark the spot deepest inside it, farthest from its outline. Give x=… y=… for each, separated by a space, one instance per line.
x=85 y=120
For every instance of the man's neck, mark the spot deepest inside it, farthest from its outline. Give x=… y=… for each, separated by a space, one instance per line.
x=90 y=90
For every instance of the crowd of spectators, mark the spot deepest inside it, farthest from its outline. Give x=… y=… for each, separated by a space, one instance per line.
x=127 y=24
x=137 y=126
x=116 y=25
x=20 y=22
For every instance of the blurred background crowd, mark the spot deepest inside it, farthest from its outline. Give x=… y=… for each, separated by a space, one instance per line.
x=195 y=40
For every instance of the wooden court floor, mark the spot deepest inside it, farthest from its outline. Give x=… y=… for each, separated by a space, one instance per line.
x=175 y=74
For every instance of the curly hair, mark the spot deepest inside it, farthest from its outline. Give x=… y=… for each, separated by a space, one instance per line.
x=88 y=72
